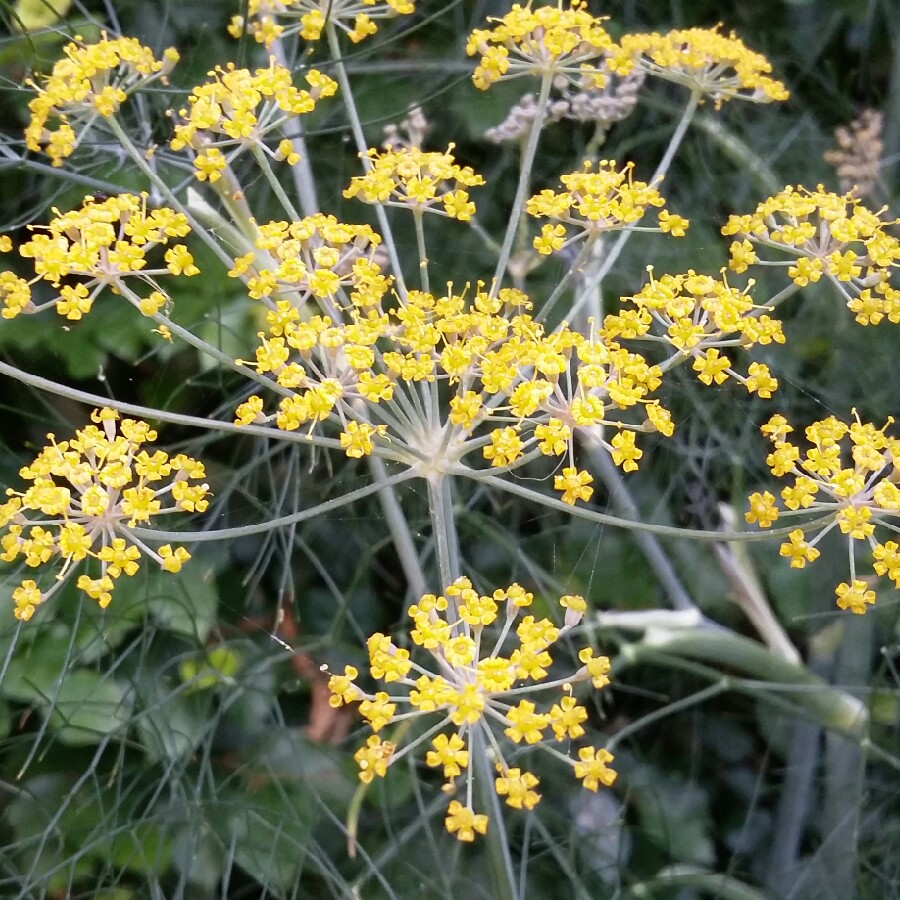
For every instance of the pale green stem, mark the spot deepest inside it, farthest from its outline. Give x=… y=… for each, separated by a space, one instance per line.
x=616 y=250
x=503 y=875
x=362 y=147
x=148 y=412
x=443 y=526
x=512 y=487
x=522 y=187
x=139 y=160
x=302 y=173
x=231 y=195
x=834 y=708
x=401 y=535
x=265 y=167
x=92 y=184
x=570 y=273
x=420 y=244
x=201 y=345
x=711 y=884
x=229 y=534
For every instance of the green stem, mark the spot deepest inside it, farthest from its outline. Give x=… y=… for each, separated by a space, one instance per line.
x=503 y=876
x=161 y=415
x=199 y=344
x=166 y=191
x=420 y=244
x=524 y=180
x=361 y=146
x=715 y=884
x=834 y=708
x=265 y=167
x=570 y=273
x=661 y=170
x=399 y=528
x=443 y=527
x=621 y=499
x=302 y=173
x=320 y=509
x=592 y=515
x=676 y=706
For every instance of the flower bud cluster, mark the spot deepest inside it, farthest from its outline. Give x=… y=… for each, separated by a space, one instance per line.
x=419 y=180
x=704 y=60
x=596 y=202
x=570 y=44
x=238 y=109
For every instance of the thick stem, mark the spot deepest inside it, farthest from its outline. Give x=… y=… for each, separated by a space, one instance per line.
x=443 y=527
x=423 y=254
x=399 y=529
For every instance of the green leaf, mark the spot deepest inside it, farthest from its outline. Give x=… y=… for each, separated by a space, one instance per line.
x=87 y=707
x=171 y=726
x=144 y=849
x=269 y=830
x=187 y=604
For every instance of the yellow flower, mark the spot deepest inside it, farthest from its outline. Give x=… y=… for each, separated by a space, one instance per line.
x=544 y=40
x=518 y=788
x=593 y=769
x=574 y=484
x=464 y=822
x=409 y=176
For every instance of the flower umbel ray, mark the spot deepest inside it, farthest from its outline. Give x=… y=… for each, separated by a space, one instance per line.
x=467 y=687
x=84 y=497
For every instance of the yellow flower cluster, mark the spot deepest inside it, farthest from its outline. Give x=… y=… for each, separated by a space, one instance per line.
x=102 y=243
x=239 y=108
x=365 y=369
x=566 y=43
x=704 y=60
x=420 y=180
x=824 y=234
x=473 y=693
x=595 y=202
x=85 y=495
x=356 y=18
x=698 y=315
x=91 y=80
x=314 y=257
x=858 y=488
